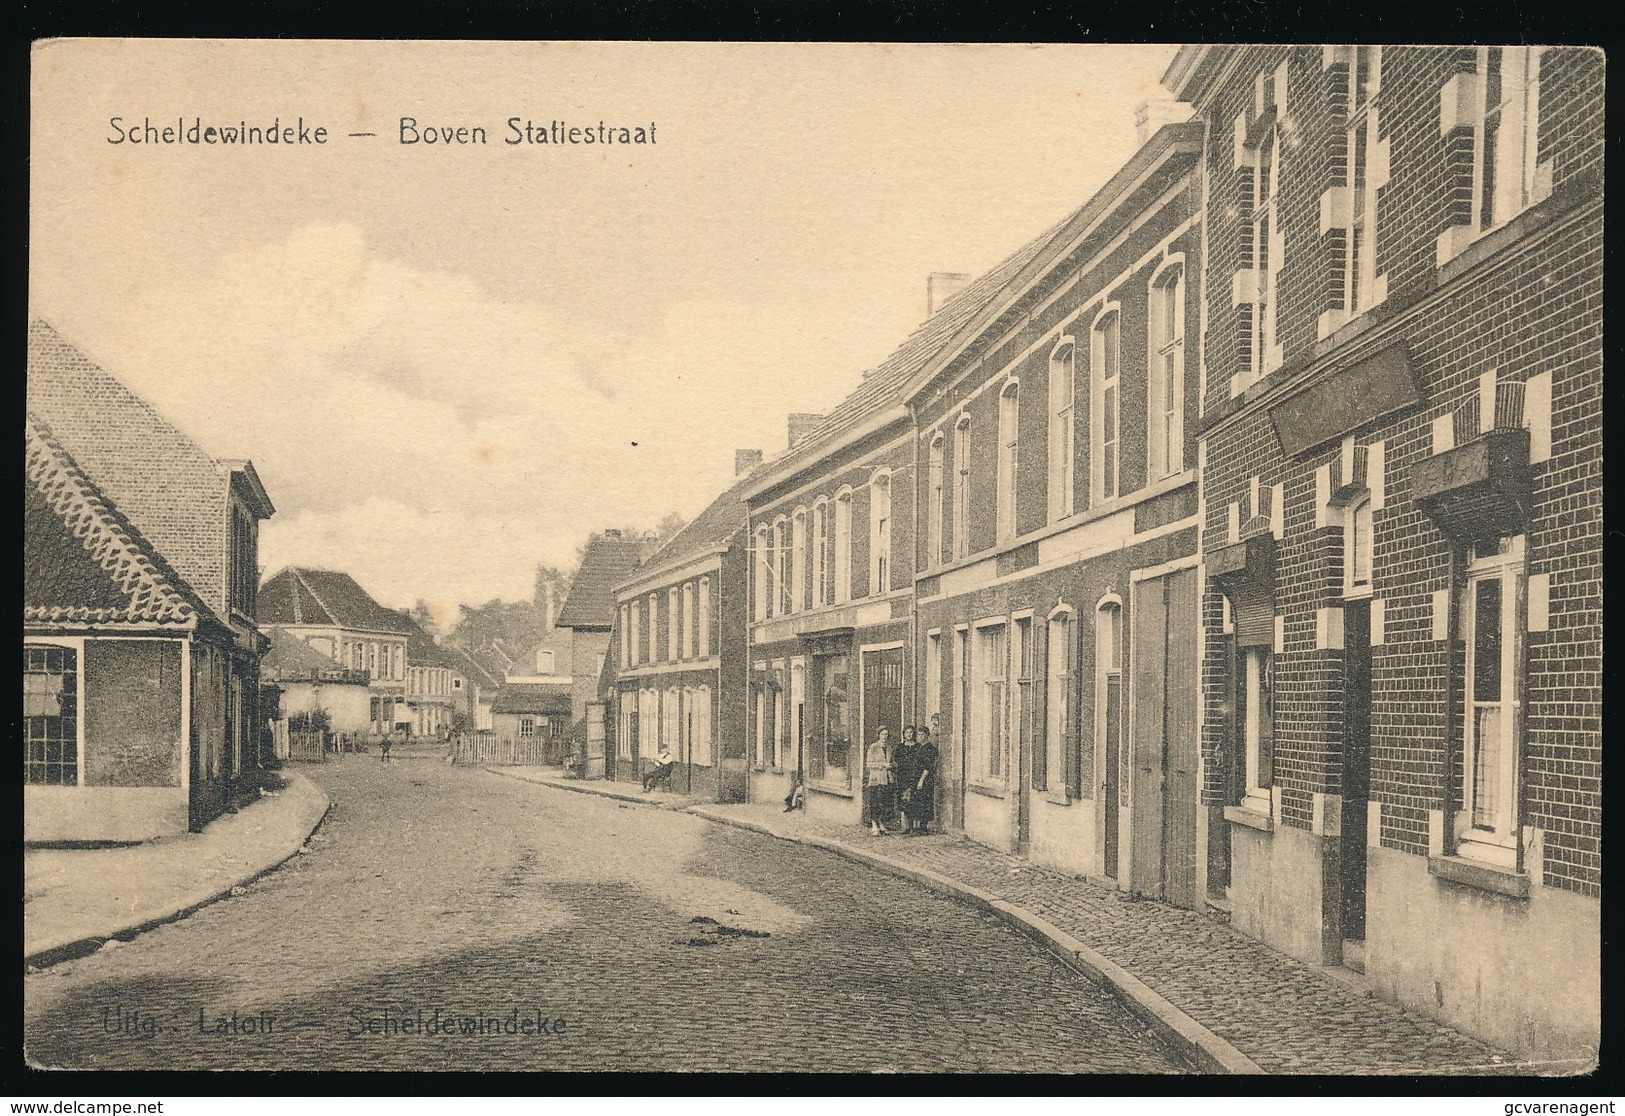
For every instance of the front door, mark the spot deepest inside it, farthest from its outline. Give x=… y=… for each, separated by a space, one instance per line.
x=883 y=694
x=595 y=740
x=1163 y=746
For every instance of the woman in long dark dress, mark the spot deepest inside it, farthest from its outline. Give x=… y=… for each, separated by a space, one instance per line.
x=922 y=791
x=905 y=770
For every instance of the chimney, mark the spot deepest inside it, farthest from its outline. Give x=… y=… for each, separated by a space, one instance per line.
x=746 y=460
x=612 y=532
x=940 y=286
x=802 y=423
x=1151 y=115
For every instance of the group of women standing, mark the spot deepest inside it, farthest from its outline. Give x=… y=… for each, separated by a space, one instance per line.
x=900 y=782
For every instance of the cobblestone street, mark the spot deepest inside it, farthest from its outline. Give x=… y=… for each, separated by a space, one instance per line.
x=662 y=942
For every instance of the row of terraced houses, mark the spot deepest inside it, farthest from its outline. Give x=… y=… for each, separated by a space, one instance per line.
x=1240 y=538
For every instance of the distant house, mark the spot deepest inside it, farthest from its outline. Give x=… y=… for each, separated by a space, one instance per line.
x=530 y=711
x=309 y=682
x=141 y=653
x=430 y=670
x=589 y=611
x=678 y=657
x=334 y=615
x=473 y=691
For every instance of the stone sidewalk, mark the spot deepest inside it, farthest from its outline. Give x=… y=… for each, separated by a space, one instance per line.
x=75 y=900
x=1237 y=1004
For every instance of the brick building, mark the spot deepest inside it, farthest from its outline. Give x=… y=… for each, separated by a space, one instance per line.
x=588 y=615
x=141 y=645
x=678 y=653
x=1401 y=470
x=1056 y=589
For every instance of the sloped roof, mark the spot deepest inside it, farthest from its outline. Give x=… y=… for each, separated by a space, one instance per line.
x=468 y=666
x=300 y=595
x=292 y=658
x=610 y=558
x=882 y=385
x=83 y=560
x=532 y=697
x=162 y=482
x=422 y=650
x=710 y=530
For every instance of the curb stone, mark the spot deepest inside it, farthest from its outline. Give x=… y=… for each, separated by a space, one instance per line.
x=55 y=953
x=1209 y=1052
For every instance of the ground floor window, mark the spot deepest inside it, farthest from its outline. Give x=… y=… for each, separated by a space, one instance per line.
x=1256 y=718
x=1492 y=628
x=527 y=726
x=834 y=751
x=51 y=716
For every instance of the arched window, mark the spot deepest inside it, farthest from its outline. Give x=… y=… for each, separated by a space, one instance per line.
x=962 y=487
x=704 y=625
x=690 y=650
x=800 y=584
x=1062 y=438
x=1165 y=430
x=784 y=587
x=933 y=503
x=764 y=555
x=823 y=590
x=1106 y=354
x=843 y=546
x=1357 y=547
x=1009 y=452
x=880 y=535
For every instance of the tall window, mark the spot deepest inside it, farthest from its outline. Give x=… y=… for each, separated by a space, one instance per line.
x=703 y=627
x=843 y=546
x=880 y=535
x=1260 y=224
x=51 y=716
x=933 y=676
x=988 y=705
x=244 y=560
x=654 y=627
x=1365 y=79
x=1009 y=451
x=962 y=487
x=1504 y=166
x=763 y=557
x=1165 y=428
x=674 y=633
x=781 y=569
x=1257 y=719
x=700 y=726
x=1493 y=627
x=822 y=583
x=933 y=503
x=801 y=584
x=690 y=642
x=1057 y=699
x=1358 y=549
x=625 y=618
x=1062 y=440
x=1107 y=349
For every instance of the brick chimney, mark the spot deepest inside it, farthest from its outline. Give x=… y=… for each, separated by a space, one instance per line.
x=1151 y=115
x=802 y=423
x=940 y=286
x=746 y=460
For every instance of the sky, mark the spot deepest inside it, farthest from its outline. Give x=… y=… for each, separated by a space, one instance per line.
x=450 y=363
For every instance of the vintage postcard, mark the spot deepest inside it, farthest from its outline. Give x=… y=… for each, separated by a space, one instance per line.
x=793 y=557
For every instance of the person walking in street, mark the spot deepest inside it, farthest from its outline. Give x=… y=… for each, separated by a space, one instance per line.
x=383 y=747
x=661 y=771
x=877 y=783
x=905 y=769
x=922 y=791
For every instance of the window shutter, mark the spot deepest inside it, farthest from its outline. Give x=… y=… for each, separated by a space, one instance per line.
x=1040 y=712
x=1266 y=725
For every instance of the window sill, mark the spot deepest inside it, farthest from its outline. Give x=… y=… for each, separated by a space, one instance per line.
x=1251 y=819
x=989 y=790
x=831 y=790
x=1058 y=797
x=1481 y=875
